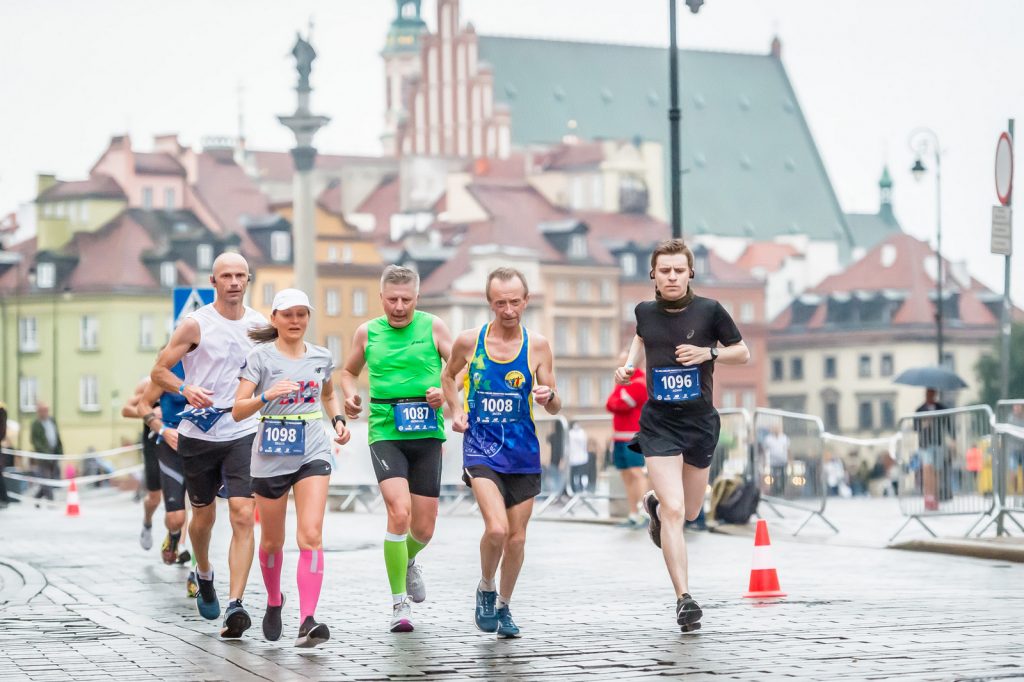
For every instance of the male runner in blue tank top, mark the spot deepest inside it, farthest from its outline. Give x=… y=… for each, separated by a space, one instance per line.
x=509 y=370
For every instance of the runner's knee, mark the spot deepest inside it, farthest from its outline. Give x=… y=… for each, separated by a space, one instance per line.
x=671 y=513
x=398 y=518
x=242 y=518
x=309 y=536
x=516 y=540
x=496 y=534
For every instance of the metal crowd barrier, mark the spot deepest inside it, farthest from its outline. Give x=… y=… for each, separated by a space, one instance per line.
x=789 y=463
x=1008 y=474
x=553 y=435
x=946 y=458
x=31 y=476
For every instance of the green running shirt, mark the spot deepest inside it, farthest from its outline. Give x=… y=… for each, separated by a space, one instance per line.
x=402 y=363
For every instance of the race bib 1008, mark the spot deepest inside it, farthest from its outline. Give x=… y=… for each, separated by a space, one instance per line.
x=675 y=384
x=497 y=408
x=282 y=437
x=412 y=417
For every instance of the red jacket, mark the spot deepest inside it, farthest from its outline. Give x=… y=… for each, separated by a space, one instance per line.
x=624 y=403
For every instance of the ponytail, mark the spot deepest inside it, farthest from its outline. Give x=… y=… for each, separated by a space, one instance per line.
x=264 y=334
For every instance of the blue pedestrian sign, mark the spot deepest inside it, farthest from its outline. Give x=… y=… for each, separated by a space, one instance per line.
x=190 y=299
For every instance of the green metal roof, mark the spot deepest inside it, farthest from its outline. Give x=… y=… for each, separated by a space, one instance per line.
x=751 y=168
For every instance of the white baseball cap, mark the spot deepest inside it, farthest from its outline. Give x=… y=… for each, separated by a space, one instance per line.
x=290 y=298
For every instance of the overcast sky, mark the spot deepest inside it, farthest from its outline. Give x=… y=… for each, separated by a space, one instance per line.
x=866 y=72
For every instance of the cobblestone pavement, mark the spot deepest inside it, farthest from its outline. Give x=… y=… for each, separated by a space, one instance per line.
x=79 y=600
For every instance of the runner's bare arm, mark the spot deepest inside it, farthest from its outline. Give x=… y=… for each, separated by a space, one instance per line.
x=130 y=409
x=155 y=421
x=544 y=393
x=736 y=354
x=633 y=358
x=457 y=361
x=443 y=343
x=185 y=338
x=350 y=371
x=329 y=399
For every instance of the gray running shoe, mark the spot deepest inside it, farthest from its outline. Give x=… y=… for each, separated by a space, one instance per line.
x=414 y=583
x=146 y=537
x=401 y=619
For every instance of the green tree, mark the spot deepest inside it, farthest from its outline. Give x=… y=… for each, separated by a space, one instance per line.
x=988 y=369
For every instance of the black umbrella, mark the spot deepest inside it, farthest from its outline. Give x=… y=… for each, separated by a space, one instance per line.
x=931 y=377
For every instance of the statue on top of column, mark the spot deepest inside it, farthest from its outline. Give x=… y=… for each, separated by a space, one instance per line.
x=304 y=55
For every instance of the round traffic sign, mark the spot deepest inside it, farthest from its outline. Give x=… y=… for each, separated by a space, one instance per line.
x=1004 y=169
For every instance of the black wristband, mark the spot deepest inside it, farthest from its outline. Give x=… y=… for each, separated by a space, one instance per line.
x=338 y=418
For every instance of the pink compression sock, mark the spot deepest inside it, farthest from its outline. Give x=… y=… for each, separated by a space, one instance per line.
x=309 y=576
x=270 y=565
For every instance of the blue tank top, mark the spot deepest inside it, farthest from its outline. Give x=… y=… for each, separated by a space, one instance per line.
x=172 y=403
x=499 y=403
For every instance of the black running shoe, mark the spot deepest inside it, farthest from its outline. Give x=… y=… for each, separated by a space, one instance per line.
x=688 y=613
x=272 y=622
x=209 y=606
x=236 y=621
x=312 y=633
x=650 y=503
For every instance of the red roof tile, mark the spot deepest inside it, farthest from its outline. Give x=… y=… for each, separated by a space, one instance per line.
x=382 y=203
x=224 y=188
x=121 y=241
x=766 y=255
x=157 y=163
x=98 y=186
x=574 y=155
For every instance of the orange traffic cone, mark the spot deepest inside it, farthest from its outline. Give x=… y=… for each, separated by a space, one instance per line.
x=764 y=581
x=72 y=508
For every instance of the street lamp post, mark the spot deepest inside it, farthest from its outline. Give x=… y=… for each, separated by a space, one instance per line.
x=675 y=116
x=924 y=141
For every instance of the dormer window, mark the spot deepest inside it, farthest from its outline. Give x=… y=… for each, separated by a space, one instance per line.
x=46 y=275
x=280 y=246
x=578 y=246
x=627 y=262
x=168 y=274
x=700 y=265
x=204 y=256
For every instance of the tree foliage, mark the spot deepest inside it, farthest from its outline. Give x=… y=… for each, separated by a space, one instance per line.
x=988 y=369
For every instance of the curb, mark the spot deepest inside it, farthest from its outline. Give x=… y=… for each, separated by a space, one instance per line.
x=32 y=583
x=977 y=549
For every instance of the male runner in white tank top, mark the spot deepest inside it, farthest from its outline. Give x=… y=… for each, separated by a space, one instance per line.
x=212 y=344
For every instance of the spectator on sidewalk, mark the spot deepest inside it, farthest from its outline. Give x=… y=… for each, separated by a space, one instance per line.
x=579 y=458
x=625 y=404
x=776 y=449
x=46 y=440
x=932 y=433
x=835 y=474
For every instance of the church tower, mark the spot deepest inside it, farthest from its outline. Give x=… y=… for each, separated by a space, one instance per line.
x=401 y=55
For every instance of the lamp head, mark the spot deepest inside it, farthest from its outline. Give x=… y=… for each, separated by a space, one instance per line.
x=918 y=170
x=694 y=5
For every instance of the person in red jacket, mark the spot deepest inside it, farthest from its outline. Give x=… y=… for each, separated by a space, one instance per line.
x=625 y=403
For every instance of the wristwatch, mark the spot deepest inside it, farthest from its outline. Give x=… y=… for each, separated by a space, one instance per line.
x=338 y=418
x=714 y=353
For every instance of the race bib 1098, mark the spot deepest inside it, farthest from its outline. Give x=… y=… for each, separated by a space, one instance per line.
x=282 y=437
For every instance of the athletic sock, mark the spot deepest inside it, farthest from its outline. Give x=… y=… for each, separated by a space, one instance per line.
x=502 y=602
x=398 y=598
x=487 y=585
x=205 y=575
x=414 y=546
x=310 y=577
x=175 y=537
x=396 y=560
x=270 y=566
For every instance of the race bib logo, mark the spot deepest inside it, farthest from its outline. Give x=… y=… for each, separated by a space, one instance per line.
x=515 y=379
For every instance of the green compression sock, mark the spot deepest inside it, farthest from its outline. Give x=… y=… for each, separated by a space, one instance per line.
x=396 y=559
x=414 y=545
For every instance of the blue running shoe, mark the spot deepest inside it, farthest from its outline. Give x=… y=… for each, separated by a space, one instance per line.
x=206 y=600
x=236 y=621
x=507 y=628
x=486 y=617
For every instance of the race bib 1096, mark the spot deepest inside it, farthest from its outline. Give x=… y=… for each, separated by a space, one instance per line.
x=675 y=384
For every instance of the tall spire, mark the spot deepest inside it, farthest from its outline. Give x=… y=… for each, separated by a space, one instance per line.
x=405 y=30
x=885 y=195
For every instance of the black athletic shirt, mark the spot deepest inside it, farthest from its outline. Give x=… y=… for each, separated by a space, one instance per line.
x=702 y=323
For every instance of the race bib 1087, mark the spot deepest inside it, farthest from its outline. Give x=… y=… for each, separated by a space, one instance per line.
x=412 y=417
x=675 y=384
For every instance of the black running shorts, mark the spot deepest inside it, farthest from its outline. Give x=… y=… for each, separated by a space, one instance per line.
x=417 y=460
x=172 y=477
x=210 y=464
x=667 y=431
x=515 y=488
x=273 y=487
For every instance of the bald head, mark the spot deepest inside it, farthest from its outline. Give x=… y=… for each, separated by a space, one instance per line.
x=230 y=278
x=231 y=261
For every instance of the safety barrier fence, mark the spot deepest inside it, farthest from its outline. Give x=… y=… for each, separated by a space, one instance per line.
x=43 y=469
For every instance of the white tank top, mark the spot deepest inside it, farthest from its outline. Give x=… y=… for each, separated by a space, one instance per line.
x=214 y=364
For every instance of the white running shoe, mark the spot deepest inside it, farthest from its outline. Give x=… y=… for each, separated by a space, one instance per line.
x=414 y=584
x=146 y=538
x=401 y=620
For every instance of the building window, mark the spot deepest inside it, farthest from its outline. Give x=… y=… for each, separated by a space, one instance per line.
x=561 y=290
x=628 y=312
x=27 y=394
x=796 y=369
x=865 y=416
x=578 y=246
x=749 y=400
x=888 y=413
x=359 y=302
x=88 y=393
x=146 y=325
x=334 y=346
x=280 y=246
x=584 y=391
x=607 y=291
x=632 y=194
x=864 y=366
x=346 y=254
x=747 y=312
x=169 y=198
x=583 y=337
x=830 y=367
x=147 y=197
x=561 y=336
x=583 y=290
x=332 y=254
x=605 y=332
x=886 y=367
x=268 y=293
x=831 y=416
x=728 y=399
x=204 y=257
x=607 y=384
x=777 y=369
x=28 y=335
x=46 y=275
x=168 y=274
x=332 y=302
x=89 y=333
x=627 y=262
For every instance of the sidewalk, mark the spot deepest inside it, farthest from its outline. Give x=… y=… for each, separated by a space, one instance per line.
x=80 y=600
